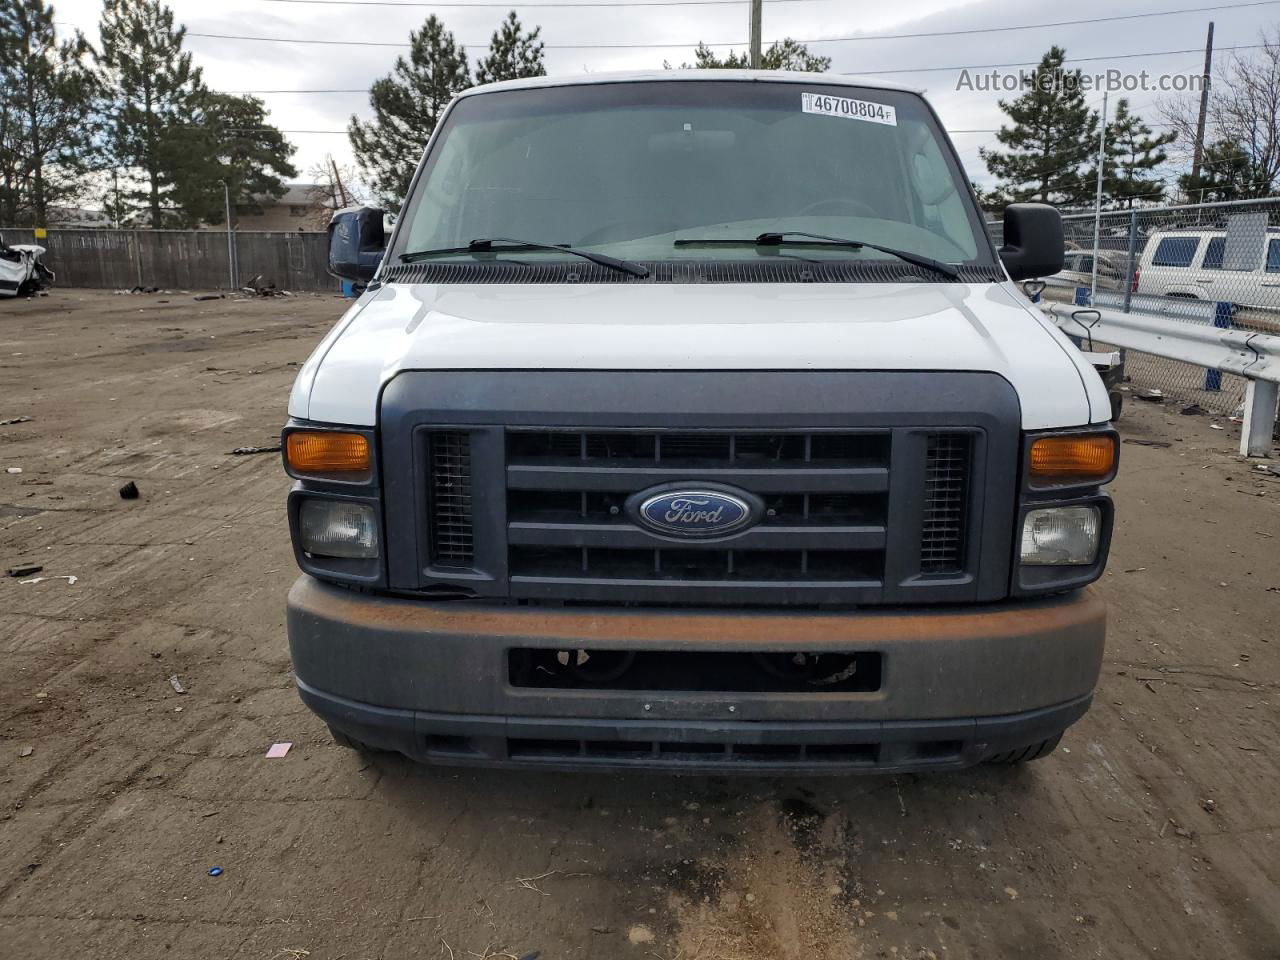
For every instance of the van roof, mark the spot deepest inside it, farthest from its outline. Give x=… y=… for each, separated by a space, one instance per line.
x=649 y=76
x=1199 y=231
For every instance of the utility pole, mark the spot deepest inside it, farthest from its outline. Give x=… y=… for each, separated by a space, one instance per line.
x=1204 y=105
x=115 y=190
x=1097 y=206
x=756 y=15
x=231 y=253
x=337 y=180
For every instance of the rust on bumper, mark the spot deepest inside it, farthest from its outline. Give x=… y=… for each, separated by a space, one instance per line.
x=938 y=662
x=625 y=627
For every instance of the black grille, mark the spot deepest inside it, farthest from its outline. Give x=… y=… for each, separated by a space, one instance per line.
x=945 y=493
x=833 y=465
x=451 y=534
x=678 y=564
x=825 y=496
x=726 y=753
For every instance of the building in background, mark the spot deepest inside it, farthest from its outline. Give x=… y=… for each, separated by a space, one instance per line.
x=302 y=206
x=78 y=218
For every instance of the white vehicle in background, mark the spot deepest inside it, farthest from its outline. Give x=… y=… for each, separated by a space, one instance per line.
x=1197 y=265
x=21 y=272
x=1077 y=270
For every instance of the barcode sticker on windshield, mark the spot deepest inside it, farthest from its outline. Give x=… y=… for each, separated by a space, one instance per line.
x=849 y=109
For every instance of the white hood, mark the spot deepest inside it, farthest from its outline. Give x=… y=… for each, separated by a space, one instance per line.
x=719 y=326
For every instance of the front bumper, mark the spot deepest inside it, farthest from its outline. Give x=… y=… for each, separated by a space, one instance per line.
x=958 y=685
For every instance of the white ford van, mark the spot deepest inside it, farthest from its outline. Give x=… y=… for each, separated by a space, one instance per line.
x=691 y=421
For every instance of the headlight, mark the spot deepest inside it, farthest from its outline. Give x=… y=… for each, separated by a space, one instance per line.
x=1061 y=535
x=338 y=528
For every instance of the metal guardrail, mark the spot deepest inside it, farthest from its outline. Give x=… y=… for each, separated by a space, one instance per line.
x=1200 y=311
x=1246 y=353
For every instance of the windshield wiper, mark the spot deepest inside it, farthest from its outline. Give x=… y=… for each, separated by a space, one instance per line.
x=493 y=244
x=818 y=239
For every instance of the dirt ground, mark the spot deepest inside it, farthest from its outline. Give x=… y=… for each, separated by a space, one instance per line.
x=1153 y=832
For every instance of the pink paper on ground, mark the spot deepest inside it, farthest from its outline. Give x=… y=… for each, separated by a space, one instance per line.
x=278 y=750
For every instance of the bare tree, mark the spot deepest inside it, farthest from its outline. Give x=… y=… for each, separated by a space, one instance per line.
x=1243 y=118
x=335 y=185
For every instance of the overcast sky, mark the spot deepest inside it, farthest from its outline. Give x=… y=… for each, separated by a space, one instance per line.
x=246 y=65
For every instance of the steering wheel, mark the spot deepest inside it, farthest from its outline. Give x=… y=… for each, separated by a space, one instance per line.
x=856 y=206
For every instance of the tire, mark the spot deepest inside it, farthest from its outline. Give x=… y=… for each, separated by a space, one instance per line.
x=1026 y=754
x=351 y=743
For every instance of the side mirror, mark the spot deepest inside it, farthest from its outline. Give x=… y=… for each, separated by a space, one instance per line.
x=356 y=243
x=1032 y=241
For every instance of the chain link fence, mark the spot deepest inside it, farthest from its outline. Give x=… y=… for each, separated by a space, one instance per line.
x=1212 y=263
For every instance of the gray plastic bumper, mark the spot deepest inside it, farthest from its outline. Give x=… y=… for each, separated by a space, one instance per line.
x=431 y=680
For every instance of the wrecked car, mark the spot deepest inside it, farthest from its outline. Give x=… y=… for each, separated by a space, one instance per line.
x=22 y=271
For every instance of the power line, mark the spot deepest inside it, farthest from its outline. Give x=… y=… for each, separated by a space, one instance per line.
x=333 y=43
x=594 y=4
x=737 y=43
x=1058 y=23
x=240 y=93
x=508 y=4
x=654 y=46
x=262 y=129
x=859 y=73
x=591 y=4
x=1032 y=63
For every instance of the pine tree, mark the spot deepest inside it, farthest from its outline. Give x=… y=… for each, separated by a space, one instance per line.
x=1132 y=154
x=1224 y=175
x=153 y=96
x=234 y=143
x=991 y=201
x=407 y=105
x=1050 y=140
x=785 y=54
x=10 y=141
x=9 y=152
x=46 y=134
x=512 y=53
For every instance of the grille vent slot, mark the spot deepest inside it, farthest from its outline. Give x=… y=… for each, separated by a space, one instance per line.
x=452 y=533
x=946 y=490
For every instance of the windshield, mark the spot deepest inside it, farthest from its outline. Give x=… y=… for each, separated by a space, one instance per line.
x=629 y=169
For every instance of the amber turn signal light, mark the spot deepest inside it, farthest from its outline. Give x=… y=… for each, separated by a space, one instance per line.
x=328 y=453
x=1072 y=458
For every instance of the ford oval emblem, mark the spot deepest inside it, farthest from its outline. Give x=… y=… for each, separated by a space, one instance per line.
x=695 y=512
